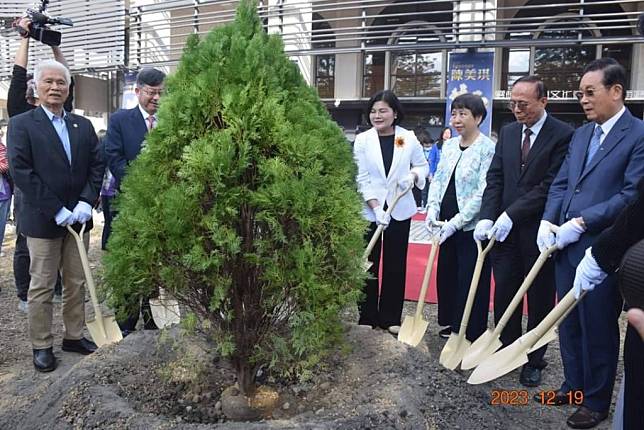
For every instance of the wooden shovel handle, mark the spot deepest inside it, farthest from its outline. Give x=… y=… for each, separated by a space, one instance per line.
x=554 y=318
x=381 y=227
x=426 y=277
x=523 y=289
x=98 y=315
x=474 y=284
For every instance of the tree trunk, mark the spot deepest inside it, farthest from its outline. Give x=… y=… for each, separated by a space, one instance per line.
x=246 y=377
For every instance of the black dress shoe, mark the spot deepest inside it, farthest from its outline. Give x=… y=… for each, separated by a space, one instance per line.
x=530 y=376
x=585 y=418
x=82 y=346
x=545 y=398
x=44 y=360
x=445 y=333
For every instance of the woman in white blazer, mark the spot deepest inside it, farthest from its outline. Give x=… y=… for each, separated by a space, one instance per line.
x=454 y=196
x=389 y=159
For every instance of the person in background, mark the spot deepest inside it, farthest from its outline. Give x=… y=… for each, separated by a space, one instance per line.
x=126 y=132
x=455 y=197
x=435 y=153
x=22 y=97
x=389 y=159
x=108 y=192
x=6 y=188
x=426 y=141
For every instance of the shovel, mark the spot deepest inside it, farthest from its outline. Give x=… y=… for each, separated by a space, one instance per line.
x=488 y=343
x=457 y=344
x=380 y=229
x=165 y=310
x=516 y=355
x=104 y=330
x=413 y=328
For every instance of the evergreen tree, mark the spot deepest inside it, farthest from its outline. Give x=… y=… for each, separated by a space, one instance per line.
x=243 y=205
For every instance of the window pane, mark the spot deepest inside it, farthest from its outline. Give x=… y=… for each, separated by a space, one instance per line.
x=519 y=62
x=429 y=63
x=325 y=65
x=561 y=68
x=403 y=64
x=428 y=86
x=374 y=73
x=623 y=55
x=403 y=86
x=325 y=87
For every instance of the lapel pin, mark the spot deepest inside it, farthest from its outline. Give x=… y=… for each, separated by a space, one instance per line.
x=75 y=125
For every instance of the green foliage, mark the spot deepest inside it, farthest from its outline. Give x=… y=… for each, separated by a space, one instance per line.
x=243 y=204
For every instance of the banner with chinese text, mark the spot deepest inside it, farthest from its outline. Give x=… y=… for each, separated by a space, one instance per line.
x=471 y=73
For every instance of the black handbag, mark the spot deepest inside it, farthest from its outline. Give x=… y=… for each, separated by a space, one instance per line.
x=631 y=276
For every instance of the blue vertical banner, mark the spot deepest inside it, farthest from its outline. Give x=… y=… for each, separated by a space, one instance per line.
x=471 y=73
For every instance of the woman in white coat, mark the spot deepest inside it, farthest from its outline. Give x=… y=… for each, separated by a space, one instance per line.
x=389 y=159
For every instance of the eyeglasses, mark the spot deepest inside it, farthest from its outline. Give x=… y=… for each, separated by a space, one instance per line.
x=589 y=94
x=153 y=93
x=512 y=105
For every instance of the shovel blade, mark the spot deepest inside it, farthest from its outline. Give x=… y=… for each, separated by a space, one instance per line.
x=500 y=363
x=165 y=312
x=546 y=339
x=412 y=330
x=454 y=351
x=105 y=331
x=486 y=345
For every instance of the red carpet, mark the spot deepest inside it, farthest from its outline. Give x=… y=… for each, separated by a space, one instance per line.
x=417 y=256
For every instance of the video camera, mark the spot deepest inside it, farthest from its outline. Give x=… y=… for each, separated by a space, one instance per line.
x=40 y=21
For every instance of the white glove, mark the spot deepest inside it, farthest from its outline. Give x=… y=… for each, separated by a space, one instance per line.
x=430 y=220
x=64 y=217
x=82 y=212
x=588 y=274
x=407 y=181
x=501 y=228
x=447 y=230
x=381 y=216
x=569 y=233
x=482 y=228
x=545 y=236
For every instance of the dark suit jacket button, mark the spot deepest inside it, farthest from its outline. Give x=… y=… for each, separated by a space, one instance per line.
x=577 y=190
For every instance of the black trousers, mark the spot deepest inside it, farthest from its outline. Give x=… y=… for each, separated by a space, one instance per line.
x=21 y=260
x=634 y=380
x=106 y=202
x=511 y=262
x=142 y=306
x=456 y=261
x=385 y=309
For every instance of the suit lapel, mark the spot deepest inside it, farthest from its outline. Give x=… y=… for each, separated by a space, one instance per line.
x=579 y=155
x=50 y=134
x=376 y=153
x=544 y=136
x=515 y=149
x=74 y=141
x=397 y=153
x=616 y=134
x=138 y=124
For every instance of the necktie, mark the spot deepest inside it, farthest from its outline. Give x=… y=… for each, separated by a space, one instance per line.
x=151 y=121
x=525 y=146
x=594 y=144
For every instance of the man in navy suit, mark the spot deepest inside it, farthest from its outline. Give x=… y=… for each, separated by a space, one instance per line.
x=55 y=160
x=125 y=134
x=527 y=158
x=597 y=179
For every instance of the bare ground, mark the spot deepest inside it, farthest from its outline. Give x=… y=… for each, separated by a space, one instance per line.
x=168 y=380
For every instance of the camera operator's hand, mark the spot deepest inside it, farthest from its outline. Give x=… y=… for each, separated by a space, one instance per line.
x=23 y=27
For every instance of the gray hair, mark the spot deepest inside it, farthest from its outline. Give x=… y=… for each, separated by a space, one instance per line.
x=49 y=65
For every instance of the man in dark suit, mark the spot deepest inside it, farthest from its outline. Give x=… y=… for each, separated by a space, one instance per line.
x=597 y=179
x=55 y=160
x=125 y=134
x=527 y=158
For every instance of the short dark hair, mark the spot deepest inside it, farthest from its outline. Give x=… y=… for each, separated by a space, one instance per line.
x=390 y=98
x=472 y=102
x=534 y=79
x=149 y=76
x=614 y=73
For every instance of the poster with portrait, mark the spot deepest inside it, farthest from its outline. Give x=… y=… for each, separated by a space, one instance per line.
x=471 y=73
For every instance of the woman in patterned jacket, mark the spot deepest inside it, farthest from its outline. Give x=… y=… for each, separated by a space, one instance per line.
x=455 y=195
